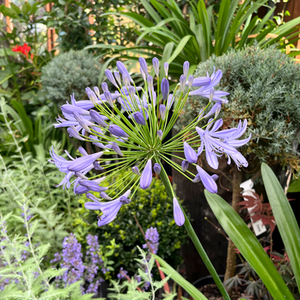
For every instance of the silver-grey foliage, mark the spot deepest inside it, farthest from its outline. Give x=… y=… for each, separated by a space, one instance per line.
x=69 y=73
x=264 y=87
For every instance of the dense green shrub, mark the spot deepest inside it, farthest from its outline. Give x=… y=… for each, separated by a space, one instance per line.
x=69 y=73
x=152 y=208
x=264 y=87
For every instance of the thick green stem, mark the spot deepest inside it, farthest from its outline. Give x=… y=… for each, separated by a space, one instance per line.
x=164 y=178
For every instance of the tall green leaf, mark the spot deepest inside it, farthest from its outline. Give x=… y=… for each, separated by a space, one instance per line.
x=284 y=217
x=168 y=270
x=249 y=246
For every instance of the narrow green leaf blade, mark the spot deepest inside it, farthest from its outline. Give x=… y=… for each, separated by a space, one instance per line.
x=284 y=217
x=169 y=271
x=249 y=246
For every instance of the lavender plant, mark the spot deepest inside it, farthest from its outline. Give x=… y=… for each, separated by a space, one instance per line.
x=132 y=288
x=77 y=268
x=131 y=125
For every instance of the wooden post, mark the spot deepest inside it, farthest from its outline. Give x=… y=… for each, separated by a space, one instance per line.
x=9 y=25
x=52 y=36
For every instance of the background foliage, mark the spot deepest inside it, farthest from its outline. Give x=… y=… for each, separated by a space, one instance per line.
x=152 y=208
x=264 y=87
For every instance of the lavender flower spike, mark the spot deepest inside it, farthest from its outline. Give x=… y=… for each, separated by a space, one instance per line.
x=146 y=177
x=190 y=153
x=117 y=131
x=178 y=214
x=81 y=163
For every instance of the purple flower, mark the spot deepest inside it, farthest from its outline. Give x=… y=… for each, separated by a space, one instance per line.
x=207 y=180
x=160 y=134
x=146 y=177
x=166 y=68
x=165 y=88
x=157 y=168
x=110 y=77
x=162 y=110
x=200 y=81
x=93 y=185
x=184 y=165
x=81 y=163
x=117 y=149
x=178 y=214
x=122 y=273
x=109 y=209
x=186 y=66
x=190 y=153
x=224 y=141
x=143 y=65
x=136 y=170
x=117 y=131
x=155 y=63
x=139 y=118
x=152 y=237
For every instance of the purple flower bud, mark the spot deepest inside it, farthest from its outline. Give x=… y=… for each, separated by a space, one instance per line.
x=108 y=97
x=92 y=96
x=82 y=151
x=135 y=170
x=126 y=79
x=92 y=186
x=117 y=131
x=190 y=81
x=160 y=134
x=97 y=92
x=143 y=64
x=182 y=82
x=104 y=86
x=81 y=163
x=74 y=133
x=170 y=101
x=122 y=68
x=139 y=118
x=105 y=196
x=117 y=149
x=96 y=117
x=118 y=77
x=146 y=177
x=211 y=94
x=177 y=212
x=197 y=178
x=131 y=91
x=165 y=88
x=186 y=67
x=190 y=153
x=110 y=77
x=166 y=68
x=150 y=83
x=207 y=180
x=157 y=168
x=162 y=110
x=184 y=165
x=155 y=63
x=143 y=74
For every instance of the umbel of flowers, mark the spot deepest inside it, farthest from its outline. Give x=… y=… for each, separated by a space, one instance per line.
x=131 y=123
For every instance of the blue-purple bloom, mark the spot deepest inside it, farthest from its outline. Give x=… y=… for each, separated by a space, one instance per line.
x=146 y=177
x=132 y=125
x=152 y=237
x=178 y=214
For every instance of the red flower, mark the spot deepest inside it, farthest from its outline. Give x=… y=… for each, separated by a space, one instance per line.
x=25 y=49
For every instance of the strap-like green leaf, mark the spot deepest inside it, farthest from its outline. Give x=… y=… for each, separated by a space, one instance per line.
x=249 y=246
x=284 y=217
x=169 y=271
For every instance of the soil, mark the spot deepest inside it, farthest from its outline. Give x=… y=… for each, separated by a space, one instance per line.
x=211 y=292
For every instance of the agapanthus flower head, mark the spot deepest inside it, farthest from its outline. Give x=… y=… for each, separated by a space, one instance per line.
x=131 y=125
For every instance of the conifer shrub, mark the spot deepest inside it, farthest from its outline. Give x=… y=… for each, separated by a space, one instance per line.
x=264 y=87
x=69 y=73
